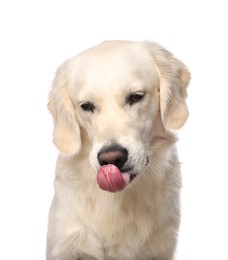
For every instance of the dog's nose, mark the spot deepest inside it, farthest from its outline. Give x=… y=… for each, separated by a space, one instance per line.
x=116 y=155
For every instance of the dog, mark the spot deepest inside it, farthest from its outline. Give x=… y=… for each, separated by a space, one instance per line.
x=116 y=109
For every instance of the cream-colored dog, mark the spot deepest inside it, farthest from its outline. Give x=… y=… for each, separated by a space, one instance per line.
x=115 y=109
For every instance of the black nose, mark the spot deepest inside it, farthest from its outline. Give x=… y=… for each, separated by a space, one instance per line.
x=116 y=155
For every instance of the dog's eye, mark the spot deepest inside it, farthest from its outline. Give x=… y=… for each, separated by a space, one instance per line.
x=88 y=106
x=134 y=98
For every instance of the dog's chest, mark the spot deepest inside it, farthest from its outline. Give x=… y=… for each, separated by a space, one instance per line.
x=119 y=227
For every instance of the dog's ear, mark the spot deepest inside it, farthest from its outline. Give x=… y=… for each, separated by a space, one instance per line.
x=66 y=134
x=174 y=79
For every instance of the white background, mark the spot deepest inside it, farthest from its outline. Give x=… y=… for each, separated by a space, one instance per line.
x=36 y=36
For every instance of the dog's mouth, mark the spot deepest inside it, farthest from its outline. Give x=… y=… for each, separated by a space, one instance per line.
x=110 y=178
x=132 y=176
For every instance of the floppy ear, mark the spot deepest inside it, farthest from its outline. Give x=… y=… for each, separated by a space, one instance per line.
x=174 y=79
x=66 y=135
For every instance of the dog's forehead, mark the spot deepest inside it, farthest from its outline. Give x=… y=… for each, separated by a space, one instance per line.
x=114 y=66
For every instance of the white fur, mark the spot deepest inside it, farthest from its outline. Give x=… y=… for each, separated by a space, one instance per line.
x=140 y=222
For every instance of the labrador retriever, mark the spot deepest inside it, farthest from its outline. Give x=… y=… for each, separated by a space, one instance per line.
x=116 y=108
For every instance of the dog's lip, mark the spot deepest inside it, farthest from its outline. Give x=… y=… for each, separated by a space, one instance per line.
x=130 y=172
x=132 y=176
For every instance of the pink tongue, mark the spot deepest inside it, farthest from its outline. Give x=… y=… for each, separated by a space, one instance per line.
x=110 y=178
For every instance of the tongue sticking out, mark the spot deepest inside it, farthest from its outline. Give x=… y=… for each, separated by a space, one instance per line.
x=110 y=178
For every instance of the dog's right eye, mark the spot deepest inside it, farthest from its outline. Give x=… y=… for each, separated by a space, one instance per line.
x=88 y=106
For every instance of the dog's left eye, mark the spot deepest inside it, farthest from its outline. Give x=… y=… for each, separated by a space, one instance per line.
x=134 y=98
x=88 y=106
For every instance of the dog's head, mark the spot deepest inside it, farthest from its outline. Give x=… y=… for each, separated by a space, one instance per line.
x=113 y=100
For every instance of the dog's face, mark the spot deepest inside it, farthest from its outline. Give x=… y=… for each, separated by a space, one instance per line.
x=113 y=100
